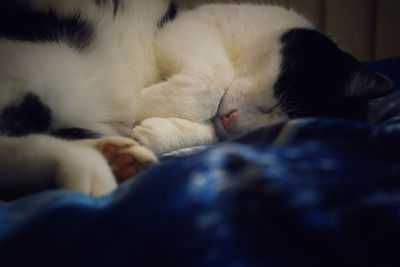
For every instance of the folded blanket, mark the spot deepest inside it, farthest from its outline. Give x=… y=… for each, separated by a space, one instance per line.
x=308 y=192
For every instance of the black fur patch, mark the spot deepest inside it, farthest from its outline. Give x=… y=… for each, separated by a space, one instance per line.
x=312 y=72
x=29 y=116
x=100 y=2
x=18 y=21
x=74 y=134
x=170 y=15
x=319 y=79
x=115 y=3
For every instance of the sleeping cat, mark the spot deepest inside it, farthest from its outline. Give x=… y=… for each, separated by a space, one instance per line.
x=266 y=63
x=71 y=70
x=97 y=68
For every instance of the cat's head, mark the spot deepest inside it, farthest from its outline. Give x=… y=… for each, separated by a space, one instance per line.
x=305 y=74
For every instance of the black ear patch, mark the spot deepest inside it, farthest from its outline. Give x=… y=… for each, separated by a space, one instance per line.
x=29 y=116
x=368 y=84
x=317 y=78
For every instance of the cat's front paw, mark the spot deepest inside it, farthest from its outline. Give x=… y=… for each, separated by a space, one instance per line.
x=125 y=156
x=151 y=133
x=96 y=166
x=83 y=169
x=163 y=135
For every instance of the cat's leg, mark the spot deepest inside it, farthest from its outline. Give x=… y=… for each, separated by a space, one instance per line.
x=197 y=72
x=38 y=162
x=163 y=135
x=188 y=96
x=125 y=156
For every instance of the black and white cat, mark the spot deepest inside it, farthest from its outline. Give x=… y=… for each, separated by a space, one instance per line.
x=71 y=70
x=94 y=69
x=266 y=63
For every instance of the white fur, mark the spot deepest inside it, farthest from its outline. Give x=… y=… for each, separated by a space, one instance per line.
x=162 y=135
x=95 y=90
x=210 y=61
x=217 y=59
x=36 y=162
x=106 y=77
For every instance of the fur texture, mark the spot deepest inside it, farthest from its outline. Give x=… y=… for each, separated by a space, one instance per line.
x=245 y=66
x=92 y=68
x=56 y=80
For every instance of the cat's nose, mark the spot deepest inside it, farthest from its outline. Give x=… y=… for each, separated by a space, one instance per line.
x=227 y=119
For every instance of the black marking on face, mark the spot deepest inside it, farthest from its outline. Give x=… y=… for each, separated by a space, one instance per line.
x=169 y=16
x=319 y=79
x=74 y=134
x=26 y=117
x=18 y=21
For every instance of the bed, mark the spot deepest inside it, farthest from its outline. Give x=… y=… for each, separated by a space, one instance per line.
x=307 y=192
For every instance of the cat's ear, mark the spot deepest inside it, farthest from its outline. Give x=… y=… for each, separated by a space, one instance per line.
x=367 y=84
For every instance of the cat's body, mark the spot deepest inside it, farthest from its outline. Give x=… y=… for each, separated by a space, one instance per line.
x=71 y=69
x=213 y=51
x=266 y=63
x=104 y=67
x=88 y=76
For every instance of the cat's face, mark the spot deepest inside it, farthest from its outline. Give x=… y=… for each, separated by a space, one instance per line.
x=302 y=74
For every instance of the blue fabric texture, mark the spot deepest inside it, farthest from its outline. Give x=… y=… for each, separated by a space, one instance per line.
x=308 y=192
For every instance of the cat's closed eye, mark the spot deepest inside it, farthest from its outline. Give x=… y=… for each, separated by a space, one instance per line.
x=267 y=110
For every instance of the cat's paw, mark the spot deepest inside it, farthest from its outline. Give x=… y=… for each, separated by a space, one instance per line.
x=151 y=133
x=125 y=156
x=96 y=166
x=83 y=169
x=163 y=135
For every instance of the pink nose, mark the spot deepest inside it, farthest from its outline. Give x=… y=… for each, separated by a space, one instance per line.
x=227 y=119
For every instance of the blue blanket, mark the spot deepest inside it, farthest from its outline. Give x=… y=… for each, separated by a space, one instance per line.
x=308 y=192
